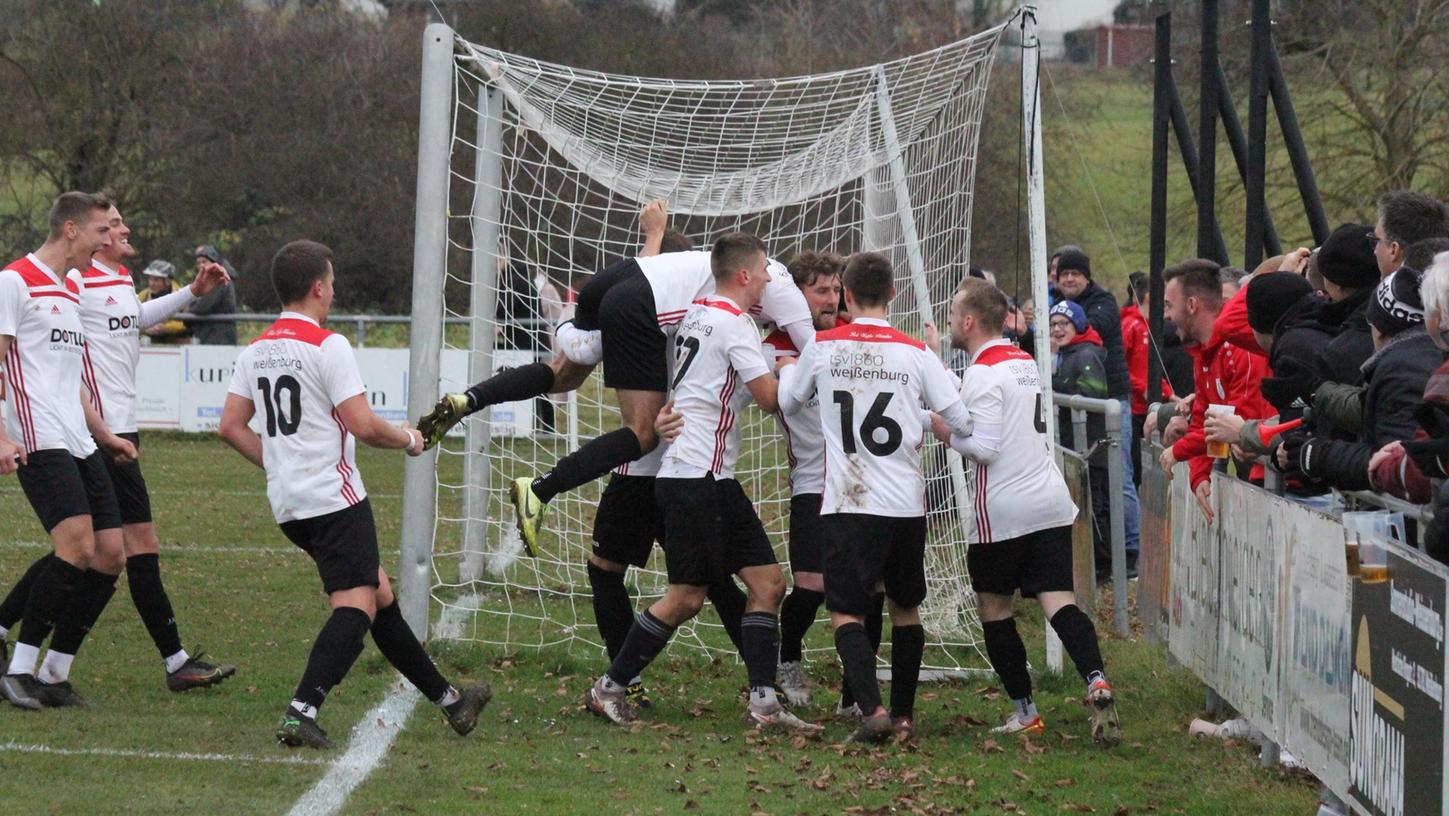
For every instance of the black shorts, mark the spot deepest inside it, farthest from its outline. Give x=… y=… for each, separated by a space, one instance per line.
x=627 y=521
x=343 y=544
x=130 y=486
x=591 y=298
x=711 y=530
x=806 y=534
x=60 y=486
x=636 y=352
x=862 y=551
x=1034 y=563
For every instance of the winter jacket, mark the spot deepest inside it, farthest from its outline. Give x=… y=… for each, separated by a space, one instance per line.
x=1226 y=375
x=1177 y=364
x=221 y=300
x=1080 y=368
x=1396 y=377
x=1136 y=346
x=1426 y=456
x=1342 y=360
x=1298 y=337
x=1103 y=315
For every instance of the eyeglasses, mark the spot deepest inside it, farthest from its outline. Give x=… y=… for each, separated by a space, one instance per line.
x=1374 y=239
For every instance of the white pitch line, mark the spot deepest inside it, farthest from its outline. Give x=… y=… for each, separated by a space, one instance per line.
x=127 y=753
x=370 y=742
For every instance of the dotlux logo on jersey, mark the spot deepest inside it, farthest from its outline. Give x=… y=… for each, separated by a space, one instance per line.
x=123 y=323
x=63 y=338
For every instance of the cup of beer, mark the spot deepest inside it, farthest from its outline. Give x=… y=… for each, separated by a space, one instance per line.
x=1373 y=561
x=1219 y=450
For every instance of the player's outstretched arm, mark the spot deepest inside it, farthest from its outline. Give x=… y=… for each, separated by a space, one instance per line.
x=653 y=220
x=374 y=431
x=234 y=429
x=12 y=456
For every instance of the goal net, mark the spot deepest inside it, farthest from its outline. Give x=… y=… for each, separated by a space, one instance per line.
x=548 y=169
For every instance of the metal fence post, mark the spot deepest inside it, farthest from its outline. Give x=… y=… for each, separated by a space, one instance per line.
x=361 y=332
x=1118 y=520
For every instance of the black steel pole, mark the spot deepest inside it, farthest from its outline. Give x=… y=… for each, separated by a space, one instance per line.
x=1185 y=145
x=1257 y=209
x=1157 y=245
x=1234 y=130
x=1297 y=152
x=1207 y=138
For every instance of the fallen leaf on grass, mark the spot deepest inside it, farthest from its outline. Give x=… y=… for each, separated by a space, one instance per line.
x=1031 y=747
x=990 y=746
x=1019 y=775
x=1073 y=807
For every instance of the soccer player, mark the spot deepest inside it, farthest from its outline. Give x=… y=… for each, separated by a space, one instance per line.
x=817 y=275
x=113 y=318
x=710 y=527
x=52 y=434
x=636 y=305
x=871 y=381
x=1017 y=543
x=305 y=382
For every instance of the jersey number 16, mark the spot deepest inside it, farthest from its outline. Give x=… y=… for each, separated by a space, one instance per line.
x=875 y=419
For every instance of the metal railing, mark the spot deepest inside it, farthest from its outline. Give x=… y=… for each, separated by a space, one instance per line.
x=1111 y=410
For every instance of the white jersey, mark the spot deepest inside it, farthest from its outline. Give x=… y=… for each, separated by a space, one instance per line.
x=718 y=351
x=871 y=381
x=41 y=311
x=113 y=317
x=804 y=441
x=296 y=374
x=1018 y=490
x=678 y=279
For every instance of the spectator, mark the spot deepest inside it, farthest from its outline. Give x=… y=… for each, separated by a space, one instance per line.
x=1079 y=367
x=221 y=301
x=161 y=280
x=1231 y=277
x=1074 y=279
x=1226 y=374
x=1404 y=218
x=1350 y=273
x=1395 y=377
x=1136 y=346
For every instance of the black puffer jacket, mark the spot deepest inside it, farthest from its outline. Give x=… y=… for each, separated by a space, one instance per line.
x=1298 y=337
x=1106 y=318
x=1396 y=377
x=1342 y=360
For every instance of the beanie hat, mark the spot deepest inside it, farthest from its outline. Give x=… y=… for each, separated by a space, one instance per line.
x=208 y=252
x=1396 y=305
x=1071 y=311
x=1270 y=296
x=159 y=269
x=1071 y=256
x=1347 y=257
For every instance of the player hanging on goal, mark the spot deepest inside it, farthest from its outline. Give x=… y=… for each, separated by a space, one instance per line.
x=711 y=529
x=635 y=305
x=304 y=380
x=113 y=319
x=627 y=520
x=1017 y=543
x=817 y=274
x=872 y=380
x=52 y=433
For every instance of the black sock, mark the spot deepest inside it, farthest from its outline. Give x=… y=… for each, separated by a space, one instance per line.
x=1008 y=656
x=333 y=653
x=647 y=638
x=597 y=457
x=613 y=611
x=53 y=593
x=1079 y=638
x=510 y=385
x=12 y=609
x=908 y=643
x=761 y=634
x=400 y=646
x=797 y=613
x=92 y=594
x=874 y=621
x=857 y=661
x=143 y=575
x=729 y=603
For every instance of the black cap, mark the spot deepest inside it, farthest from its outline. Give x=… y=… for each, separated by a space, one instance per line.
x=1396 y=305
x=1071 y=256
x=1347 y=257
x=1270 y=296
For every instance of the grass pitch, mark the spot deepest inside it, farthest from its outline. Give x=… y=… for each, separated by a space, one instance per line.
x=245 y=596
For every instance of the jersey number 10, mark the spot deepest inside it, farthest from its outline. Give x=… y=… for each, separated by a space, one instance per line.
x=875 y=419
x=283 y=403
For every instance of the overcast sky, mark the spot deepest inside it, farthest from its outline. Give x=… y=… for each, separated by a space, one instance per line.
x=1068 y=15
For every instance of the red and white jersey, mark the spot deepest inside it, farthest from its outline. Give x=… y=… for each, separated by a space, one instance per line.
x=41 y=311
x=113 y=317
x=871 y=381
x=804 y=441
x=1019 y=490
x=678 y=279
x=717 y=350
x=296 y=373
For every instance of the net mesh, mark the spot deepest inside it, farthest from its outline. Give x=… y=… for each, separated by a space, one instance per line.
x=550 y=167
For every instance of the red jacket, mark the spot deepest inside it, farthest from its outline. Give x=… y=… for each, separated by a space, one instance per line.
x=1136 y=343
x=1232 y=324
x=1225 y=375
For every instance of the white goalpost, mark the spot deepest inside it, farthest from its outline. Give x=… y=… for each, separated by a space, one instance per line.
x=531 y=172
